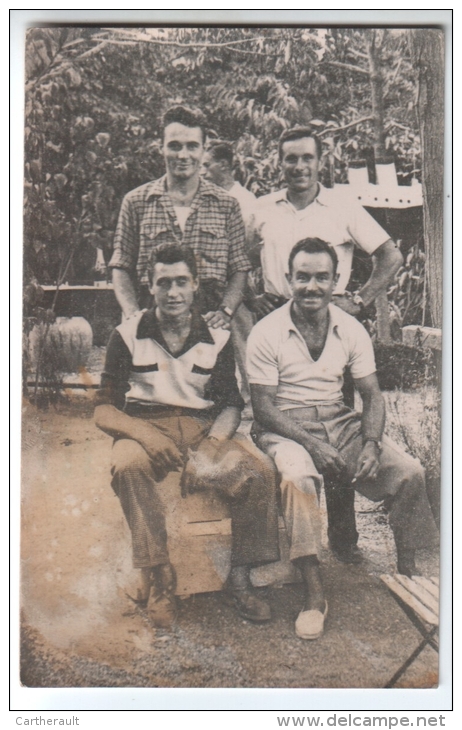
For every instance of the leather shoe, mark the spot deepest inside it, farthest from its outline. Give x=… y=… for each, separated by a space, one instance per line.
x=161 y=607
x=310 y=624
x=347 y=554
x=249 y=606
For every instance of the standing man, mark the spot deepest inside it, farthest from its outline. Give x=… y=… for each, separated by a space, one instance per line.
x=217 y=167
x=296 y=359
x=169 y=397
x=183 y=208
x=306 y=208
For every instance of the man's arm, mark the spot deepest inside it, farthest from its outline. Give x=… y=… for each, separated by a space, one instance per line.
x=386 y=260
x=162 y=451
x=372 y=425
x=124 y=291
x=326 y=459
x=238 y=266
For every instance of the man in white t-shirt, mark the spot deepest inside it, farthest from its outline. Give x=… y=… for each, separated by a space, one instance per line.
x=217 y=167
x=296 y=357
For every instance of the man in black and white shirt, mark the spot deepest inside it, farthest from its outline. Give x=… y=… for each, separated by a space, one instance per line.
x=169 y=397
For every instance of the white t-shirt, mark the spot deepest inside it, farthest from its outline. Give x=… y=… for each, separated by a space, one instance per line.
x=277 y=355
x=247 y=202
x=182 y=212
x=335 y=216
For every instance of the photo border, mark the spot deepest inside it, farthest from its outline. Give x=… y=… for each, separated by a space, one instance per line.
x=295 y=700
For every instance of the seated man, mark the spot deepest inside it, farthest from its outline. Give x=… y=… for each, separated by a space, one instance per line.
x=169 y=397
x=296 y=359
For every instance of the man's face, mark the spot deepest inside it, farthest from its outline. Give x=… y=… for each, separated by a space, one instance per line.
x=173 y=288
x=183 y=150
x=300 y=164
x=211 y=169
x=312 y=281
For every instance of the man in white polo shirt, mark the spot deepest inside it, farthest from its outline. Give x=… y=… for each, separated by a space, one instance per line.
x=306 y=208
x=169 y=397
x=296 y=359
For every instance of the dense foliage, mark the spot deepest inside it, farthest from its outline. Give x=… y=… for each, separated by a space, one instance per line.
x=95 y=99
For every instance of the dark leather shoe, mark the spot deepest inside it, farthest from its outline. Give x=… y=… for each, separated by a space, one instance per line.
x=350 y=554
x=249 y=606
x=161 y=607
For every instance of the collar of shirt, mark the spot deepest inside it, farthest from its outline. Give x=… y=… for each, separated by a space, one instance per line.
x=291 y=327
x=149 y=328
x=321 y=197
x=158 y=188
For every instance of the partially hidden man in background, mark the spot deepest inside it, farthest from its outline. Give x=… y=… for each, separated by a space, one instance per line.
x=170 y=399
x=217 y=166
x=297 y=356
x=305 y=208
x=185 y=208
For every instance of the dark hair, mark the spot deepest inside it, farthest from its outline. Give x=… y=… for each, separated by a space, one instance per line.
x=221 y=151
x=313 y=245
x=172 y=253
x=186 y=116
x=299 y=133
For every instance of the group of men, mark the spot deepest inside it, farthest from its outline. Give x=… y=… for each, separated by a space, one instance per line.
x=169 y=394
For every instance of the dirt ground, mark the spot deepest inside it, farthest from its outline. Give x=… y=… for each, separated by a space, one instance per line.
x=81 y=630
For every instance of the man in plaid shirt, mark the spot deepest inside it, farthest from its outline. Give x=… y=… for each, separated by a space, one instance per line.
x=182 y=207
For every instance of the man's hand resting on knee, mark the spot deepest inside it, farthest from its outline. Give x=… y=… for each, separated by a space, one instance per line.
x=162 y=451
x=327 y=460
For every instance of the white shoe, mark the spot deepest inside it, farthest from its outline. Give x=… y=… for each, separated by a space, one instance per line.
x=310 y=624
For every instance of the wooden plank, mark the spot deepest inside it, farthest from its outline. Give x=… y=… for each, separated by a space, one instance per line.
x=428 y=585
x=422 y=611
x=435 y=580
x=420 y=592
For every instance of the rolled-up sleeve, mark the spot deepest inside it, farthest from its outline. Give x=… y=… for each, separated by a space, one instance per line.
x=238 y=259
x=126 y=238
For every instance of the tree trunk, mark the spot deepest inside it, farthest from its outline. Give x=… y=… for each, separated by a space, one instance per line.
x=380 y=155
x=427 y=47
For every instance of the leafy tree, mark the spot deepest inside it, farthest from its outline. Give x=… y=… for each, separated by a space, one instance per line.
x=95 y=98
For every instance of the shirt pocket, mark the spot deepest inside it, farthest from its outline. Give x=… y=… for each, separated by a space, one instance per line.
x=152 y=236
x=213 y=244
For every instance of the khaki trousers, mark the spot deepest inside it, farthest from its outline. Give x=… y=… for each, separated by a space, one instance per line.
x=400 y=481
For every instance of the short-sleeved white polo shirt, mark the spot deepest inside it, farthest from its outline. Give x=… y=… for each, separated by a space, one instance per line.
x=277 y=355
x=335 y=216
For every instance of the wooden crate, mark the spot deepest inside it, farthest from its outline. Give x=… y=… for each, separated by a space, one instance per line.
x=199 y=543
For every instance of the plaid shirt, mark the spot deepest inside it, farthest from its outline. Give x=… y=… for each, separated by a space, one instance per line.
x=214 y=230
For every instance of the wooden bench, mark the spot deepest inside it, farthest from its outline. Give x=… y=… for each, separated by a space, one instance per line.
x=419 y=599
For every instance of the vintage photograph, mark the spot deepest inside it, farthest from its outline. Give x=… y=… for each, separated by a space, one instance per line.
x=232 y=313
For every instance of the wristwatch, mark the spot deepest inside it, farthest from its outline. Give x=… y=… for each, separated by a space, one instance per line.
x=377 y=442
x=358 y=301
x=229 y=312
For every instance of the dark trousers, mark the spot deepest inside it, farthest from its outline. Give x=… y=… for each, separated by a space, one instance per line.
x=253 y=512
x=340 y=498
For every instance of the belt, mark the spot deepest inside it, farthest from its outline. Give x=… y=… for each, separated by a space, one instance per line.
x=141 y=411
